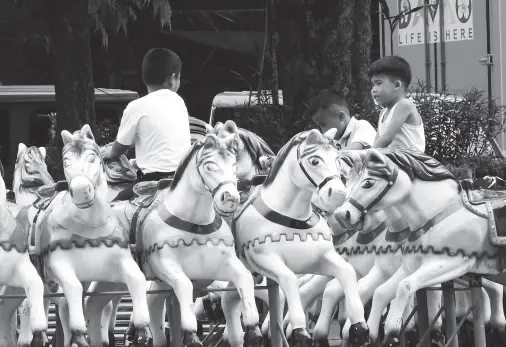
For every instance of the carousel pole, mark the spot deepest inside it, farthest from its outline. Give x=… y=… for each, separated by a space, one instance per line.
x=478 y=314
x=450 y=314
x=276 y=320
x=423 y=316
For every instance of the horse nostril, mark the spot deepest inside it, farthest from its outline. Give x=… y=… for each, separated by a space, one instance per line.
x=330 y=192
x=348 y=215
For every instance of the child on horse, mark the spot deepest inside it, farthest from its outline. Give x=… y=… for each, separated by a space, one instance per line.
x=157 y=123
x=329 y=110
x=399 y=124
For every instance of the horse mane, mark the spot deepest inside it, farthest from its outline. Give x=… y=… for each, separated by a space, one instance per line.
x=281 y=157
x=80 y=143
x=126 y=172
x=184 y=163
x=255 y=146
x=418 y=164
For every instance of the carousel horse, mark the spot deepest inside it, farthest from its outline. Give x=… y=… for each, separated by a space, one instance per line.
x=75 y=232
x=180 y=236
x=452 y=233
x=272 y=232
x=18 y=276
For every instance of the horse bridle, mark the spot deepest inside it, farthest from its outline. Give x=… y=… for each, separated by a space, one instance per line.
x=391 y=180
x=323 y=182
x=221 y=184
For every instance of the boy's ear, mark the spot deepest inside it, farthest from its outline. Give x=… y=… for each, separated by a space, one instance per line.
x=398 y=84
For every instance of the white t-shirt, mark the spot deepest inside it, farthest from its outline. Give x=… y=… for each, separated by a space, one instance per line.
x=158 y=124
x=358 y=131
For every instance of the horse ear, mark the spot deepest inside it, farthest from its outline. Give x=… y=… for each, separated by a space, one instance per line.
x=330 y=134
x=218 y=127
x=21 y=150
x=375 y=158
x=209 y=129
x=86 y=132
x=42 y=151
x=210 y=141
x=231 y=141
x=230 y=126
x=66 y=137
x=314 y=137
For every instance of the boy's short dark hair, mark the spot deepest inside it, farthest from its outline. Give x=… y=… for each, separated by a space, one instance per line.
x=158 y=65
x=325 y=99
x=392 y=66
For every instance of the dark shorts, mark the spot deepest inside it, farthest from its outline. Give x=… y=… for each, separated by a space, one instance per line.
x=128 y=193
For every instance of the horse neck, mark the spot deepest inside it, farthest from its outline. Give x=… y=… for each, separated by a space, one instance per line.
x=97 y=214
x=416 y=209
x=285 y=197
x=187 y=202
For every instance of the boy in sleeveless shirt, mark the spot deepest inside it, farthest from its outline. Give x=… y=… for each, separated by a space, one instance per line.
x=329 y=110
x=157 y=124
x=399 y=124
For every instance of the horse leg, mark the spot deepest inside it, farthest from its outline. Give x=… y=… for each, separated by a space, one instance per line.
x=309 y=292
x=434 y=298
x=433 y=271
x=381 y=297
x=334 y=265
x=495 y=293
x=135 y=280
x=94 y=307
x=170 y=272
x=109 y=320
x=156 y=304
x=233 y=334
x=26 y=276
x=331 y=297
x=73 y=290
x=235 y=271
x=8 y=309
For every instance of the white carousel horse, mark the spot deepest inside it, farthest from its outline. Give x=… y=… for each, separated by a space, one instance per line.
x=449 y=236
x=76 y=233
x=180 y=236
x=18 y=275
x=279 y=235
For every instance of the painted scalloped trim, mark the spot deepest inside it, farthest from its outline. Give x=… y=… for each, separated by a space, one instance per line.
x=412 y=249
x=378 y=250
x=259 y=240
x=8 y=246
x=182 y=243
x=70 y=244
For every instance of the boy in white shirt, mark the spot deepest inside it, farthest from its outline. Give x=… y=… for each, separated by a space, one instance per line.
x=329 y=110
x=157 y=123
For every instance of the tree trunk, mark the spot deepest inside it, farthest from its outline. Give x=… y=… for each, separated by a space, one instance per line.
x=323 y=44
x=69 y=25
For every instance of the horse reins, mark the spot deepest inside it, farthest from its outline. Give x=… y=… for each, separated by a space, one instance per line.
x=322 y=183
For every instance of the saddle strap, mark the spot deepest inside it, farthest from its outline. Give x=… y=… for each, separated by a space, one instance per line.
x=34 y=222
x=465 y=201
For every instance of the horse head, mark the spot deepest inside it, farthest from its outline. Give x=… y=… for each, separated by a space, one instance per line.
x=82 y=166
x=215 y=171
x=253 y=154
x=379 y=183
x=30 y=171
x=119 y=170
x=315 y=167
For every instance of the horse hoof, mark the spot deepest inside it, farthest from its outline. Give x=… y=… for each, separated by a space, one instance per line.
x=495 y=338
x=112 y=339
x=253 y=337
x=129 y=338
x=359 y=335
x=37 y=339
x=190 y=339
x=142 y=337
x=437 y=339
x=321 y=343
x=79 y=339
x=391 y=341
x=300 y=338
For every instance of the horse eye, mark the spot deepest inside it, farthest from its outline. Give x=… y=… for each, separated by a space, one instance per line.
x=91 y=158
x=211 y=167
x=66 y=162
x=367 y=184
x=314 y=161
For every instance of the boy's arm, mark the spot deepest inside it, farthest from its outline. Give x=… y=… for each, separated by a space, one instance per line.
x=126 y=135
x=401 y=113
x=363 y=137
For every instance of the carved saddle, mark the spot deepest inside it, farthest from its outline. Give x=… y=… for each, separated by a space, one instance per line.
x=145 y=192
x=495 y=202
x=45 y=194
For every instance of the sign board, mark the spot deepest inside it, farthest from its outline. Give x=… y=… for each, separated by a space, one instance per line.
x=458 y=21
